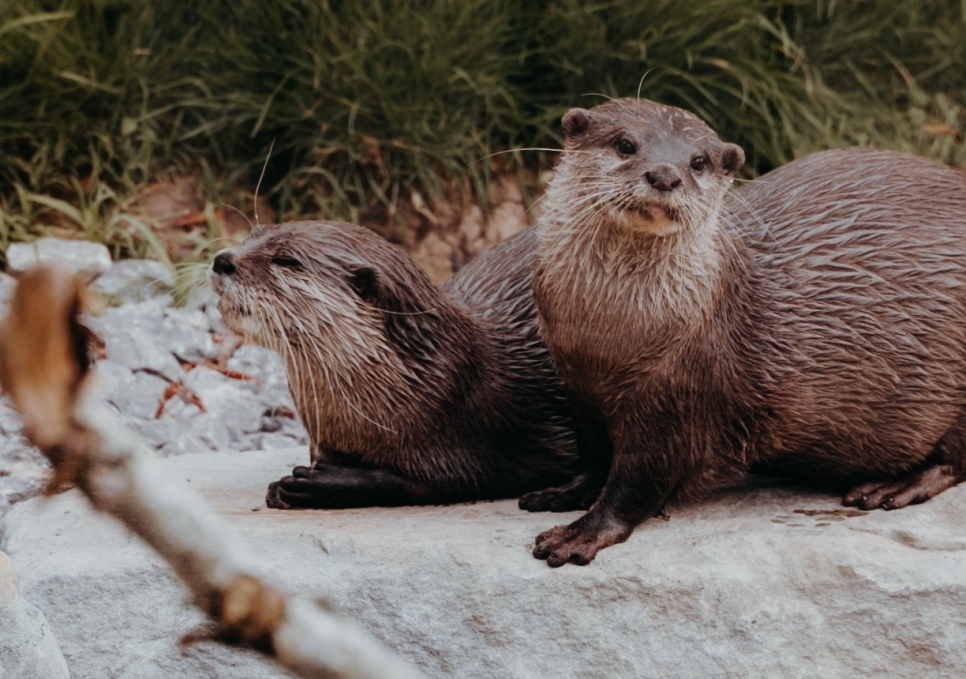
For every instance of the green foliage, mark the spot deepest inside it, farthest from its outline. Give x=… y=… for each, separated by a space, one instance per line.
x=368 y=99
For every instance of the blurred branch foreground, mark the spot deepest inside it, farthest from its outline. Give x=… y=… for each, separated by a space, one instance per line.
x=44 y=368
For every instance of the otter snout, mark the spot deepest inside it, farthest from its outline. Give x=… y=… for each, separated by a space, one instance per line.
x=664 y=178
x=223 y=264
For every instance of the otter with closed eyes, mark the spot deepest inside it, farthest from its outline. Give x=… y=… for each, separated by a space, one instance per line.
x=411 y=394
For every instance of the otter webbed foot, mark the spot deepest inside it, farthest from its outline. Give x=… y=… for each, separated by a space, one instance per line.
x=329 y=486
x=913 y=489
x=579 y=542
x=579 y=494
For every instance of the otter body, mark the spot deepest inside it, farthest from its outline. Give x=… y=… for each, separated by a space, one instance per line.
x=812 y=323
x=410 y=394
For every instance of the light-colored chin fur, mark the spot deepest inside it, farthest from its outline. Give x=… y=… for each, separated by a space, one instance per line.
x=651 y=220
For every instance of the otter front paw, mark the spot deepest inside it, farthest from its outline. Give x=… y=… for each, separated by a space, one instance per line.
x=579 y=494
x=555 y=500
x=565 y=544
x=303 y=489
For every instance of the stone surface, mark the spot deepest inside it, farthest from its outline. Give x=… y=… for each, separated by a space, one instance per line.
x=88 y=260
x=762 y=581
x=7 y=284
x=135 y=280
x=28 y=649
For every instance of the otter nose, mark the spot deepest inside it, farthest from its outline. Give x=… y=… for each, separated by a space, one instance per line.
x=663 y=178
x=223 y=264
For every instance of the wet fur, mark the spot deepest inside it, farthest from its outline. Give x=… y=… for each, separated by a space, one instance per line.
x=410 y=394
x=812 y=323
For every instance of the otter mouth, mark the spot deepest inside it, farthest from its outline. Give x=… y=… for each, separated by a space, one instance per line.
x=652 y=217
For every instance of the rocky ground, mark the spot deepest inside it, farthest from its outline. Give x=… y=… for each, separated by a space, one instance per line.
x=760 y=580
x=176 y=375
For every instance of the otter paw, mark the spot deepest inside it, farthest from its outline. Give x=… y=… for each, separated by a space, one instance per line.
x=565 y=544
x=578 y=494
x=914 y=489
x=555 y=500
x=273 y=498
x=303 y=489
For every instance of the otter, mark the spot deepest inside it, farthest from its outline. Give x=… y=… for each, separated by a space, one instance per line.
x=812 y=323
x=411 y=394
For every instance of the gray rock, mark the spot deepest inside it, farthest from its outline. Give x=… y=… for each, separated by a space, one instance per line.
x=88 y=260
x=23 y=470
x=136 y=395
x=9 y=418
x=267 y=367
x=7 y=285
x=158 y=433
x=136 y=337
x=188 y=335
x=762 y=581
x=28 y=648
x=205 y=300
x=233 y=402
x=135 y=280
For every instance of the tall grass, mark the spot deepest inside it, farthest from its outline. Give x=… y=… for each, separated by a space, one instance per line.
x=367 y=100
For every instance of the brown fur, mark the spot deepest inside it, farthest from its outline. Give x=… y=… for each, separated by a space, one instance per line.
x=410 y=394
x=813 y=323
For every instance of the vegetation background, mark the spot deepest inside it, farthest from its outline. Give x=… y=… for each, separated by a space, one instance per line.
x=369 y=101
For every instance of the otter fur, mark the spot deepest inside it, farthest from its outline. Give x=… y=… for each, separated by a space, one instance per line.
x=812 y=323
x=410 y=394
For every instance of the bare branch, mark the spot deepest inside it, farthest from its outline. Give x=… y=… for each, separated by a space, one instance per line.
x=44 y=367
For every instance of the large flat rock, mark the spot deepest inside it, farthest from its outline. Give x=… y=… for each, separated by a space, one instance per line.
x=762 y=581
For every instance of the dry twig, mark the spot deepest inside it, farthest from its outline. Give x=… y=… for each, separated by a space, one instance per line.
x=44 y=368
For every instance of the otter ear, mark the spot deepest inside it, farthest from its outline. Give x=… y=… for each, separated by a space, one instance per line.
x=732 y=158
x=366 y=284
x=575 y=122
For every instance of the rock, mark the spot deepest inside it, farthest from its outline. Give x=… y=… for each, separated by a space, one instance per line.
x=509 y=214
x=7 y=284
x=759 y=581
x=23 y=470
x=88 y=260
x=28 y=648
x=135 y=280
x=232 y=402
x=436 y=253
x=188 y=335
x=136 y=337
x=265 y=366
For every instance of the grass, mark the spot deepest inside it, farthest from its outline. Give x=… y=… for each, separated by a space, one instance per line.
x=369 y=100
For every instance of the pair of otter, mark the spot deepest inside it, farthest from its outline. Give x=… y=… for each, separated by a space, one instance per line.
x=812 y=323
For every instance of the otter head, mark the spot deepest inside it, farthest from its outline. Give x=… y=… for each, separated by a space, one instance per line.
x=651 y=168
x=354 y=318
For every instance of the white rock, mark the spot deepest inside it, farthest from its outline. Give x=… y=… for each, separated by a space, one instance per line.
x=28 y=649
x=88 y=260
x=763 y=581
x=7 y=285
x=135 y=336
x=134 y=280
x=231 y=401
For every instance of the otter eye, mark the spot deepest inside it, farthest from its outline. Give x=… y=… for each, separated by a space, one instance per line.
x=698 y=163
x=287 y=262
x=625 y=147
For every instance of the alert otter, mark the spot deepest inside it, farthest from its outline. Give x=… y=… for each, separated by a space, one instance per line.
x=813 y=324
x=410 y=394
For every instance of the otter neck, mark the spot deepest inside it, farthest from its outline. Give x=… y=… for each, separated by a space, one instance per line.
x=672 y=282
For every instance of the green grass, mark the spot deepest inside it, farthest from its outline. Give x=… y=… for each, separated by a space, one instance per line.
x=368 y=100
